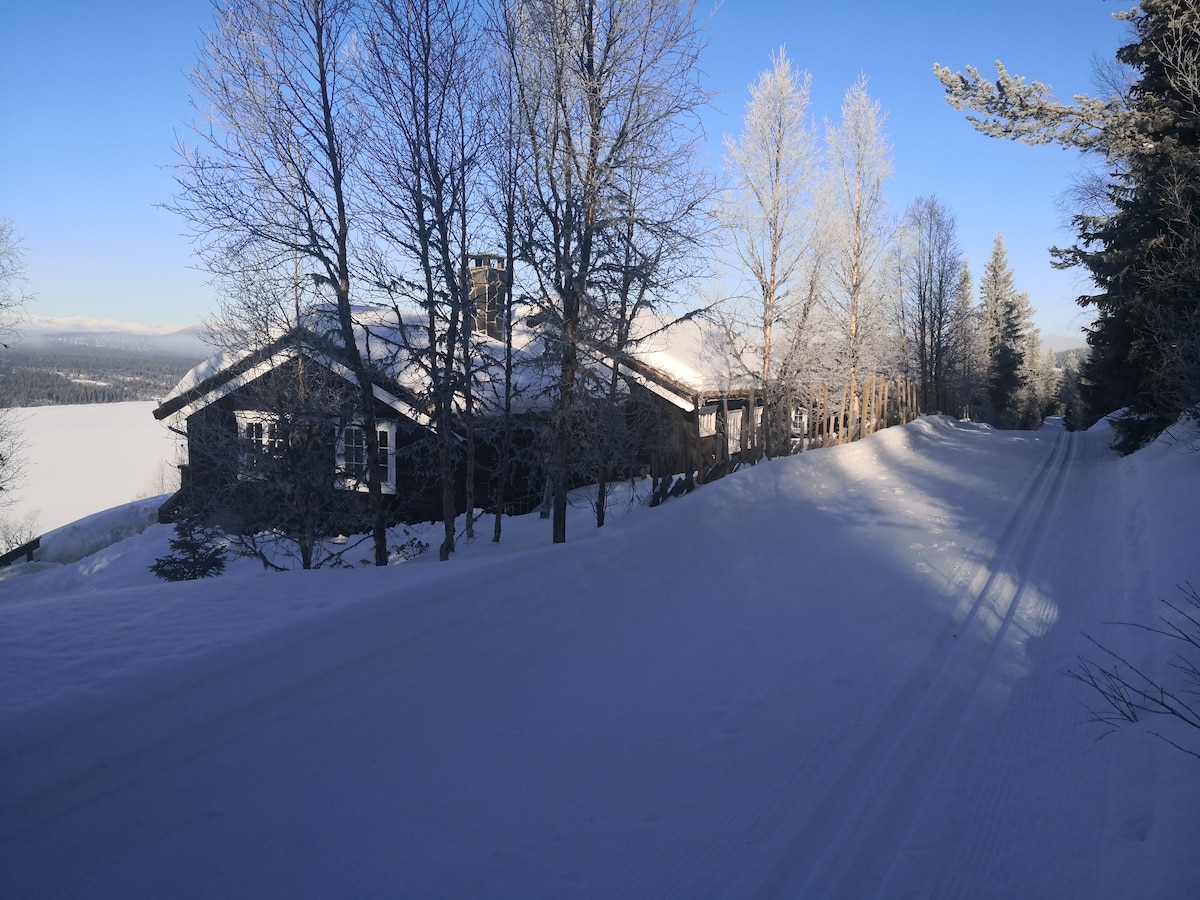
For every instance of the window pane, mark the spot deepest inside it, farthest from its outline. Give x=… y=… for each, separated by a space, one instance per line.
x=354 y=441
x=384 y=467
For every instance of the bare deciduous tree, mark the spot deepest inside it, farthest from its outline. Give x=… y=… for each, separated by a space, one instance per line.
x=503 y=161
x=12 y=305
x=271 y=176
x=422 y=76
x=932 y=297
x=606 y=90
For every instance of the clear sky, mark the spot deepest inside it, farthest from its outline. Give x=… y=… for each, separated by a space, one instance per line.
x=92 y=94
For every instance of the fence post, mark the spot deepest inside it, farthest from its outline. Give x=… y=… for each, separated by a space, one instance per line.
x=824 y=415
x=844 y=413
x=868 y=390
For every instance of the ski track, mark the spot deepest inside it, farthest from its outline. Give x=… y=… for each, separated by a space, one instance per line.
x=881 y=790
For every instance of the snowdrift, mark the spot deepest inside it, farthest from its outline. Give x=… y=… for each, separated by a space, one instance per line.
x=836 y=675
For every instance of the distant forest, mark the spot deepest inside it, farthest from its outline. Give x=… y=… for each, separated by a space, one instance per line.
x=98 y=375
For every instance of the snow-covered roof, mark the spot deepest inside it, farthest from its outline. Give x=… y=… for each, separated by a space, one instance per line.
x=681 y=361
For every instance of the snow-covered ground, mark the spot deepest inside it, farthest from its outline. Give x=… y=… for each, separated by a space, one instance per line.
x=836 y=675
x=79 y=460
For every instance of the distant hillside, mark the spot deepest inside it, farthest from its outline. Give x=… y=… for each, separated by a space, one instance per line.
x=75 y=335
x=92 y=375
x=72 y=361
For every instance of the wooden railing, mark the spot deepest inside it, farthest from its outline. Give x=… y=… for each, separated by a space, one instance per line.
x=26 y=550
x=857 y=410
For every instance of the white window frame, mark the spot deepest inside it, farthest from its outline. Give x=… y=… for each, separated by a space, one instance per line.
x=387 y=443
x=259 y=435
x=734 y=420
x=800 y=421
x=708 y=421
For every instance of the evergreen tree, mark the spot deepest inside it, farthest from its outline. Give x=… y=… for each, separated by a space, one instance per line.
x=1143 y=256
x=1006 y=323
x=1141 y=248
x=196 y=552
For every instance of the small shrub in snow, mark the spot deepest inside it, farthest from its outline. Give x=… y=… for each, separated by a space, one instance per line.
x=412 y=548
x=196 y=552
x=1129 y=694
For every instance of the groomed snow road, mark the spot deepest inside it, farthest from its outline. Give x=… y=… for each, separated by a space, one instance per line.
x=838 y=675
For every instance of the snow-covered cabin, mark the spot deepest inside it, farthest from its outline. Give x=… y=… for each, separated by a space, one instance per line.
x=262 y=423
x=288 y=412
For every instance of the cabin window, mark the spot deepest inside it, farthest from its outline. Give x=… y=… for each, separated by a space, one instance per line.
x=733 y=430
x=708 y=421
x=265 y=437
x=261 y=439
x=800 y=421
x=352 y=457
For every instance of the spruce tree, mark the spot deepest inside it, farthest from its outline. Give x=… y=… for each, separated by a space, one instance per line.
x=1142 y=250
x=196 y=552
x=1005 y=325
x=1143 y=256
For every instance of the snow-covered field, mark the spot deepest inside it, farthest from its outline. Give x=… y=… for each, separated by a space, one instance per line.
x=837 y=675
x=79 y=460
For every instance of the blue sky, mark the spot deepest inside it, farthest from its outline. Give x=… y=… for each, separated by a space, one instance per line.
x=91 y=96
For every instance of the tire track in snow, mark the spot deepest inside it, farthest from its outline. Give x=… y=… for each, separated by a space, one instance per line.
x=847 y=844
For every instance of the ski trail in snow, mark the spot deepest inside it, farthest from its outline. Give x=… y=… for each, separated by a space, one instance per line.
x=855 y=827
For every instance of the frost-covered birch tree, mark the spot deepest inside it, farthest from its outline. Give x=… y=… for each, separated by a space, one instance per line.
x=768 y=218
x=859 y=228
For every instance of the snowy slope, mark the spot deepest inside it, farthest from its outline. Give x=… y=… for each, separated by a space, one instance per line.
x=837 y=675
x=79 y=460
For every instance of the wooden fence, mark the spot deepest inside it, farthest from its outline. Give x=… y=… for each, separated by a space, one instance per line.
x=857 y=410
